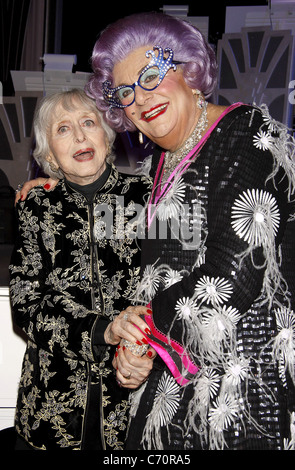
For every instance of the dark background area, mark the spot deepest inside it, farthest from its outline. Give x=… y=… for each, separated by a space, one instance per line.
x=81 y=26
x=67 y=27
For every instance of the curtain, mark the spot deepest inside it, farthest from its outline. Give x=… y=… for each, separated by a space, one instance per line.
x=33 y=47
x=13 y=20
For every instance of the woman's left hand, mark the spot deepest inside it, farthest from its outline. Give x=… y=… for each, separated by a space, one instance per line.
x=132 y=370
x=22 y=192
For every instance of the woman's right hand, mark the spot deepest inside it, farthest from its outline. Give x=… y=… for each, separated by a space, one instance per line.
x=127 y=325
x=48 y=184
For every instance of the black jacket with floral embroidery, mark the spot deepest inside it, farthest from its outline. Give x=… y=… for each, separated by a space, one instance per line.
x=74 y=267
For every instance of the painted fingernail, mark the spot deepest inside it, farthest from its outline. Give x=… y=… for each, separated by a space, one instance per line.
x=116 y=354
x=22 y=197
x=149 y=310
x=118 y=347
x=144 y=341
x=46 y=186
x=148 y=331
x=149 y=353
x=124 y=348
x=139 y=343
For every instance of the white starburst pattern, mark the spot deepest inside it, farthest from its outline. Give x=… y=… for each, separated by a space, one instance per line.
x=171 y=205
x=255 y=216
x=219 y=324
x=149 y=283
x=172 y=277
x=207 y=385
x=167 y=399
x=269 y=122
x=263 y=140
x=223 y=412
x=286 y=323
x=213 y=290
x=284 y=343
x=237 y=371
x=222 y=316
x=186 y=308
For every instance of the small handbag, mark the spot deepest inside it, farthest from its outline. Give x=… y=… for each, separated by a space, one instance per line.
x=172 y=353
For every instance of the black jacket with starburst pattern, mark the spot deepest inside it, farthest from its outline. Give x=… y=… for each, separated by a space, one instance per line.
x=220 y=281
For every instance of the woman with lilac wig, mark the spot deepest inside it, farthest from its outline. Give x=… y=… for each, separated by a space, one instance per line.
x=216 y=255
x=217 y=268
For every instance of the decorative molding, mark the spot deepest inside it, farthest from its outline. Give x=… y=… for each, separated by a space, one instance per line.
x=255 y=66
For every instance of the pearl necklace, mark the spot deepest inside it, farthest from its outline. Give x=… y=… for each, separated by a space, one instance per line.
x=172 y=159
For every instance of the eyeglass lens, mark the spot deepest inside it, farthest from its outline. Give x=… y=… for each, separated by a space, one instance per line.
x=148 y=80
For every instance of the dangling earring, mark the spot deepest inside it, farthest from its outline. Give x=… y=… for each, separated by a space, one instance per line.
x=52 y=166
x=140 y=138
x=200 y=100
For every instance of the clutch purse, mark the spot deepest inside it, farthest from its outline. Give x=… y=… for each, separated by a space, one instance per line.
x=172 y=353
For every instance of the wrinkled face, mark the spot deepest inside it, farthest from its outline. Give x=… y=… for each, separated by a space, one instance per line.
x=77 y=143
x=167 y=114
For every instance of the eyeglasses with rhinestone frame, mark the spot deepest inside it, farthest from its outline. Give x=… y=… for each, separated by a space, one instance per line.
x=156 y=70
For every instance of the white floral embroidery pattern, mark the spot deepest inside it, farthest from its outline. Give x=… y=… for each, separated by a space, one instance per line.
x=150 y=282
x=172 y=277
x=237 y=371
x=165 y=406
x=284 y=344
x=263 y=140
x=185 y=308
x=207 y=386
x=221 y=317
x=255 y=216
x=167 y=399
x=153 y=278
x=223 y=413
x=213 y=290
x=171 y=205
x=218 y=329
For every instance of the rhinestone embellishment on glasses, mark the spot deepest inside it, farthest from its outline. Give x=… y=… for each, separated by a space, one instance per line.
x=163 y=64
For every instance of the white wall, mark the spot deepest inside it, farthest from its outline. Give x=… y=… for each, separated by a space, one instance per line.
x=12 y=348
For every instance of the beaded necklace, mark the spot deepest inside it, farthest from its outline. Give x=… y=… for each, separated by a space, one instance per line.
x=160 y=190
x=172 y=159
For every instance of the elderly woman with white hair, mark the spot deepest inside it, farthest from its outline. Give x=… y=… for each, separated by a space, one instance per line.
x=73 y=270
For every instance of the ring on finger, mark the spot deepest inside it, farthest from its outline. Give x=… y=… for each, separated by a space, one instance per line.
x=19 y=187
x=125 y=316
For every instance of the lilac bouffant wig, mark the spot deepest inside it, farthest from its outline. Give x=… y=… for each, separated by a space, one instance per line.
x=156 y=29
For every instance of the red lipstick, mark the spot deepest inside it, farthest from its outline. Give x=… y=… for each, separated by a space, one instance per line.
x=154 y=112
x=84 y=154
